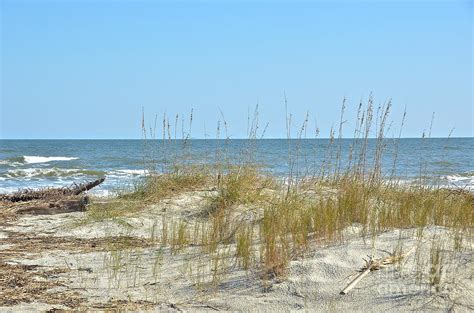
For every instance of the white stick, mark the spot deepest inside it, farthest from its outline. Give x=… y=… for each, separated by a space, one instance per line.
x=375 y=264
x=355 y=281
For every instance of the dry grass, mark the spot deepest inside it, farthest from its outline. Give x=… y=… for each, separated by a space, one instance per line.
x=267 y=225
x=267 y=222
x=30 y=283
x=270 y=222
x=285 y=225
x=244 y=247
x=258 y=222
x=20 y=244
x=180 y=179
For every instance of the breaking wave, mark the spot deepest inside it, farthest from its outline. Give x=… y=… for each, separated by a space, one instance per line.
x=31 y=159
x=50 y=172
x=66 y=172
x=462 y=180
x=40 y=159
x=132 y=172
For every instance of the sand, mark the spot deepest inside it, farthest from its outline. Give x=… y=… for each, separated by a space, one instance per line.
x=55 y=262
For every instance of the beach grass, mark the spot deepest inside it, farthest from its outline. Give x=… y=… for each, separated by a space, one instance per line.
x=265 y=221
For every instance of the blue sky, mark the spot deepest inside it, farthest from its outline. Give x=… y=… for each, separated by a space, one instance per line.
x=85 y=69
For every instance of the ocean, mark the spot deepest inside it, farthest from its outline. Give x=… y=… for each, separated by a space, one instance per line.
x=42 y=163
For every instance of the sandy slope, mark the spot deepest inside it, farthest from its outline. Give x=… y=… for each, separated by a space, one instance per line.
x=50 y=262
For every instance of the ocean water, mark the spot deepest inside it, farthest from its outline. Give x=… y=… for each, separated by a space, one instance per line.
x=41 y=163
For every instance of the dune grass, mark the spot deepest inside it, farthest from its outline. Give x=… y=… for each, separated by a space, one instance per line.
x=179 y=179
x=269 y=221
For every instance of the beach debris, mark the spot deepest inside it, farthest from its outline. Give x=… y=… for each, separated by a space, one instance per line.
x=41 y=207
x=48 y=193
x=373 y=264
x=50 y=200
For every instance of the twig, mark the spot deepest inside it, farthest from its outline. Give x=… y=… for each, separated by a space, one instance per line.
x=373 y=265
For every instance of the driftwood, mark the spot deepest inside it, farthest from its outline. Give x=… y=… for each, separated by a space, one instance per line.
x=48 y=201
x=374 y=265
x=70 y=204
x=49 y=193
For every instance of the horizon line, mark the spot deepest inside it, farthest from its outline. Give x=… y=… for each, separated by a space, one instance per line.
x=274 y=138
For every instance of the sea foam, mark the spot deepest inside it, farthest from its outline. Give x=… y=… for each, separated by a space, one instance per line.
x=465 y=180
x=51 y=172
x=41 y=159
x=133 y=172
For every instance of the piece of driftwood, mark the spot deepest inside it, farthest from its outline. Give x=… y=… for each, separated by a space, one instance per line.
x=375 y=264
x=67 y=205
x=85 y=187
x=48 y=201
x=355 y=281
x=50 y=193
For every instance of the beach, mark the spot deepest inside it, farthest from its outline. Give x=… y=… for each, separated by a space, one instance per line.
x=236 y=156
x=243 y=225
x=153 y=257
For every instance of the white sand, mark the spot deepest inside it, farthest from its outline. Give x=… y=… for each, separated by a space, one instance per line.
x=184 y=281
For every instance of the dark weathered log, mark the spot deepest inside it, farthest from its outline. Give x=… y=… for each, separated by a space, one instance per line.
x=48 y=201
x=78 y=189
x=49 y=193
x=67 y=205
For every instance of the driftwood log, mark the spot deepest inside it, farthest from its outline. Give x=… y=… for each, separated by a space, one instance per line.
x=49 y=193
x=40 y=207
x=49 y=200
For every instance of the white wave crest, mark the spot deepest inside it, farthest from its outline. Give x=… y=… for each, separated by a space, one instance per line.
x=464 y=180
x=132 y=172
x=50 y=173
x=54 y=172
x=41 y=159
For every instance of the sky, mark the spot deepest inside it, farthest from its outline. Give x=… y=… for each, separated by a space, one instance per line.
x=87 y=69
